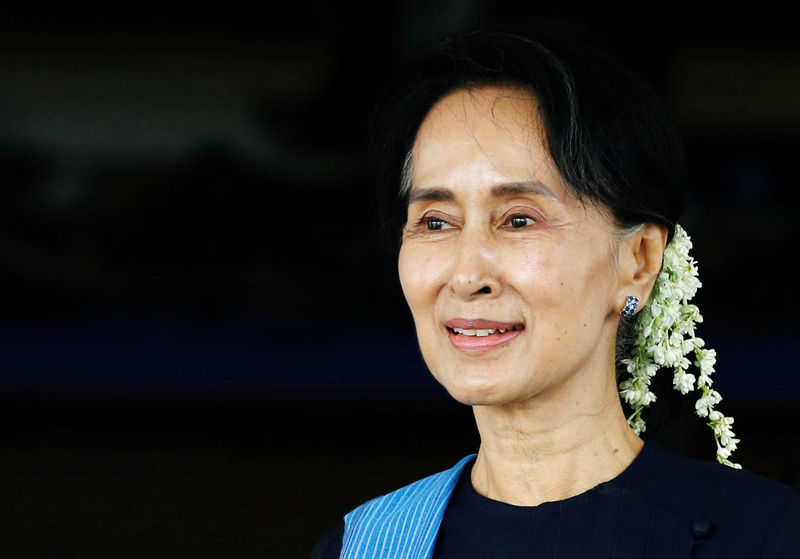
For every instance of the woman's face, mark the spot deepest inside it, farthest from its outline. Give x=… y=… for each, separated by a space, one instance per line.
x=511 y=281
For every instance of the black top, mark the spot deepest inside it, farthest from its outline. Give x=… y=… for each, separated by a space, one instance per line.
x=662 y=505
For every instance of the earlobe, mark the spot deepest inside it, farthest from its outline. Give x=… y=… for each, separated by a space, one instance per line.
x=646 y=253
x=631 y=304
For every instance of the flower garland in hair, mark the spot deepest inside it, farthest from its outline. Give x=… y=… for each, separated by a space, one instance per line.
x=665 y=336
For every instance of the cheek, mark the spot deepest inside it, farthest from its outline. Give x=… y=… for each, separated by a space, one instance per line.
x=539 y=273
x=556 y=283
x=417 y=275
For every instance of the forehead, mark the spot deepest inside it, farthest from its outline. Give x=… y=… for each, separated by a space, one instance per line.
x=484 y=110
x=490 y=133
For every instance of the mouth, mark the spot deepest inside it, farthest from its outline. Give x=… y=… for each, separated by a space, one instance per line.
x=482 y=332
x=478 y=335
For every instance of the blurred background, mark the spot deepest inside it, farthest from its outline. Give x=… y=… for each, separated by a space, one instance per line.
x=204 y=351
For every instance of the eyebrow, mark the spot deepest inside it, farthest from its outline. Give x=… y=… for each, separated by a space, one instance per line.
x=430 y=194
x=441 y=194
x=522 y=187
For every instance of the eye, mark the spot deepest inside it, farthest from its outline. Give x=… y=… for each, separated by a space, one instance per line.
x=435 y=224
x=520 y=221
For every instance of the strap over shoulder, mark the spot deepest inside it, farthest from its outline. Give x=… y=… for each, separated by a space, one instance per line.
x=404 y=523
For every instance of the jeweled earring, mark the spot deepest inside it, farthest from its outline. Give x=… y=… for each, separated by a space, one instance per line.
x=630 y=307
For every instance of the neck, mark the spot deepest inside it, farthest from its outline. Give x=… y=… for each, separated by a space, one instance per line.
x=544 y=450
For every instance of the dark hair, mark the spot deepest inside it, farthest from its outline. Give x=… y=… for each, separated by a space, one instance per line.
x=606 y=130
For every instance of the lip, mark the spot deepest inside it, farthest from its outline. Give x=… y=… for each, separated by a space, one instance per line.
x=479 y=323
x=481 y=344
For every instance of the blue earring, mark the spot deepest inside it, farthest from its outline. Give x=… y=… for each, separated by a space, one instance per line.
x=630 y=307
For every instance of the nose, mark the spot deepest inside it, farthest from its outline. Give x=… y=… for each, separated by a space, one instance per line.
x=475 y=271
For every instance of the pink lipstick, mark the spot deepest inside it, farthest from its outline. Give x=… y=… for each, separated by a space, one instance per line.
x=479 y=335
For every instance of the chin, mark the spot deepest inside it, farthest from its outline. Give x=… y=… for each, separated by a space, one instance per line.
x=476 y=393
x=489 y=387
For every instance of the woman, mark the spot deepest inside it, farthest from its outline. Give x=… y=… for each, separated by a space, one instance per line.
x=540 y=185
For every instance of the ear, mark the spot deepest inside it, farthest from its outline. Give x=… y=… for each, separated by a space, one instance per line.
x=640 y=258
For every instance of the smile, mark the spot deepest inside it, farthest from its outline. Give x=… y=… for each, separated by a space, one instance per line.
x=485 y=332
x=478 y=336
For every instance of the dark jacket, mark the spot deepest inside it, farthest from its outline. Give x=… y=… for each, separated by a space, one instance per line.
x=662 y=506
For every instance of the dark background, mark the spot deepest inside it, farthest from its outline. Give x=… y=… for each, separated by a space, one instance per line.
x=204 y=350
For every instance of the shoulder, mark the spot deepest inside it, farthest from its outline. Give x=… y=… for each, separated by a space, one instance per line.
x=380 y=510
x=405 y=520
x=429 y=490
x=736 y=508
x=330 y=546
x=677 y=480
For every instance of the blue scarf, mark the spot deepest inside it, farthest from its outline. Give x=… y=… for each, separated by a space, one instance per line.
x=402 y=524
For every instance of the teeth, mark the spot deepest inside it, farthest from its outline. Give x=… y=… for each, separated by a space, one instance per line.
x=476 y=332
x=502 y=330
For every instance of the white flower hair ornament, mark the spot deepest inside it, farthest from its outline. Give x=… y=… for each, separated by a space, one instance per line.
x=664 y=338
